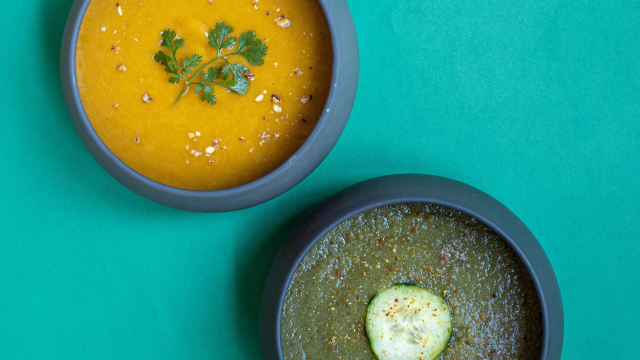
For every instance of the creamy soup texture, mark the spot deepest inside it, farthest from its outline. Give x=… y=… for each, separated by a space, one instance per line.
x=494 y=303
x=192 y=144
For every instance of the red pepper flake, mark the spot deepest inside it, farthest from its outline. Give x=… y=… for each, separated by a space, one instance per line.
x=396 y=300
x=414 y=230
x=380 y=241
x=339 y=272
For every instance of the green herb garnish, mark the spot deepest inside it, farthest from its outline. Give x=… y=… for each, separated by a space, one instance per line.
x=224 y=73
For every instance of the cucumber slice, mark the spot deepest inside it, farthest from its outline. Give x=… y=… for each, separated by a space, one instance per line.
x=406 y=322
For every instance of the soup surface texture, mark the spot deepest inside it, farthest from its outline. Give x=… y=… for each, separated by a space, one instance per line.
x=246 y=136
x=494 y=304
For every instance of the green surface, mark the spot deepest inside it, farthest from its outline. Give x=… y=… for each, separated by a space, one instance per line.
x=535 y=102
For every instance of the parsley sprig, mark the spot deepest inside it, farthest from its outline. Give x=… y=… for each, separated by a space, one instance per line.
x=219 y=70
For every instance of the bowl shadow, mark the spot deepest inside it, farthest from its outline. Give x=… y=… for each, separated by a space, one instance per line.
x=253 y=269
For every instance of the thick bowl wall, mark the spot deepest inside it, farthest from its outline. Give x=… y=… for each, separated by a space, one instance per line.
x=320 y=142
x=398 y=189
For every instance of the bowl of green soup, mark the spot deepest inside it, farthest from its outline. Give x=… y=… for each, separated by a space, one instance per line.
x=411 y=267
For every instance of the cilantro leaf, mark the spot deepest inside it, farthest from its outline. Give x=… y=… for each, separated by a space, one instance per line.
x=172 y=41
x=251 y=48
x=212 y=74
x=162 y=58
x=167 y=37
x=178 y=44
x=192 y=61
x=226 y=72
x=238 y=84
x=206 y=77
x=208 y=95
x=218 y=37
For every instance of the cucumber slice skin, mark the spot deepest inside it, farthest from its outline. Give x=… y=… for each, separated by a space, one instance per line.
x=400 y=295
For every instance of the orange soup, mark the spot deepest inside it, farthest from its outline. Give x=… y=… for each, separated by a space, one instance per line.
x=191 y=143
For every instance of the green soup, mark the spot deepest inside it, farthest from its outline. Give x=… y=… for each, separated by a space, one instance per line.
x=495 y=307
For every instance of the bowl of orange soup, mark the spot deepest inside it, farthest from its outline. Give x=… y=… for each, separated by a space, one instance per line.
x=209 y=105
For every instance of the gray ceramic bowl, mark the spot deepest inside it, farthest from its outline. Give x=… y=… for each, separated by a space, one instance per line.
x=398 y=189
x=302 y=163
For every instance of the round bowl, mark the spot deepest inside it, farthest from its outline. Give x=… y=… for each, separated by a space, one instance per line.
x=336 y=112
x=399 y=189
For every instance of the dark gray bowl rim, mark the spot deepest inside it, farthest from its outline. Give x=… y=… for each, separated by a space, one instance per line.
x=315 y=149
x=412 y=188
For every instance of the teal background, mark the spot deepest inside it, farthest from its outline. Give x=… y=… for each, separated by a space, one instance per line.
x=536 y=102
